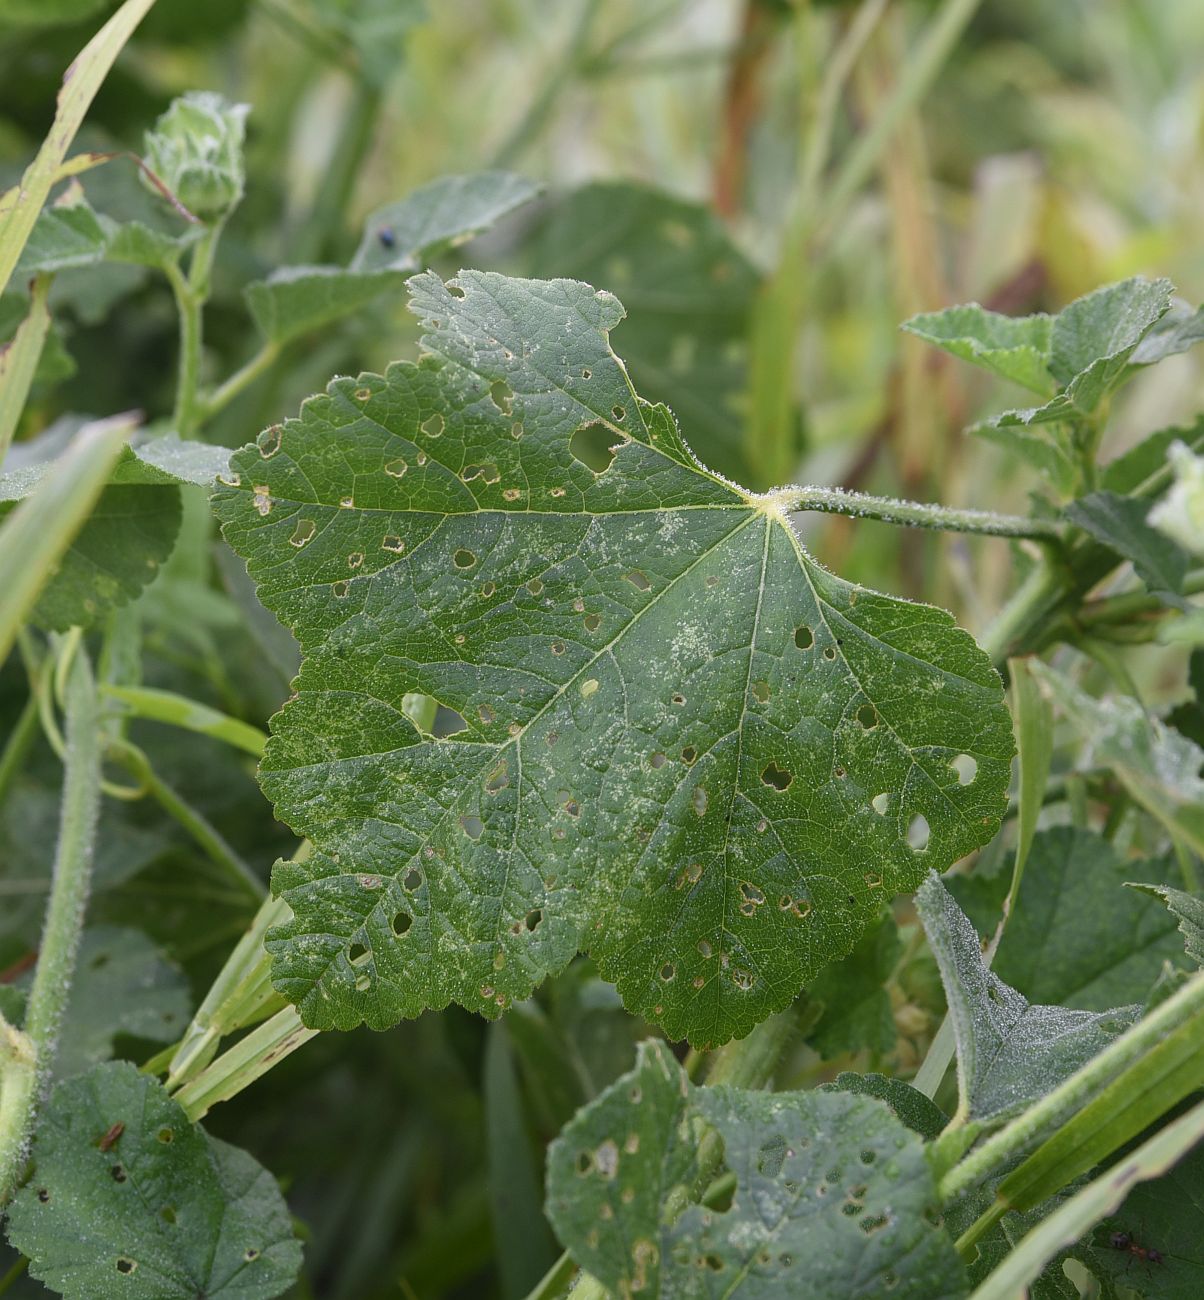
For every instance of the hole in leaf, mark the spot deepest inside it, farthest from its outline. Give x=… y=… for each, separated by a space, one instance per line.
x=714 y=1263
x=776 y=776
x=486 y=473
x=363 y=394
x=584 y=1162
x=678 y=698
x=589 y=687
x=638 y=579
x=917 y=833
x=43 y=1195
x=432 y=426
x=498 y=779
x=340 y=589
x=879 y=803
x=165 y=1135
x=689 y=754
x=699 y=800
x=803 y=638
x=704 y=949
x=391 y=542
x=558 y=647
x=250 y=1254
x=412 y=880
x=760 y=692
x=668 y=971
x=397 y=468
x=447 y=723
x=499 y=395
x=592 y=446
x=356 y=951
x=592 y=622
x=966 y=767
x=401 y=923
x=303 y=532
x=473 y=826
x=830 y=653
x=657 y=760
x=464 y=559
x=118 y=1173
x=867 y=715
x=533 y=918
x=126 y=1265
x=168 y=1214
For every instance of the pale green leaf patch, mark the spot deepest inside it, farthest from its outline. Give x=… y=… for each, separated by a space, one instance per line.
x=666 y=734
x=1013 y=347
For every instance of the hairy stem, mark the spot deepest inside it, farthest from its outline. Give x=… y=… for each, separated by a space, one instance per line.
x=26 y=1058
x=190 y=295
x=861 y=505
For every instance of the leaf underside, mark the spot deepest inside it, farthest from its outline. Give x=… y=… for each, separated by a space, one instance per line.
x=668 y=735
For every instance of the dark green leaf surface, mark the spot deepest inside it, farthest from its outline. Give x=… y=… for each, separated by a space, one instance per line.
x=1148 y=456
x=857 y=1006
x=1074 y=938
x=1188 y=910
x=1120 y=524
x=297 y=299
x=681 y=742
x=834 y=1197
x=1013 y=347
x=690 y=292
x=911 y=1107
x=1008 y=1050
x=166 y=1211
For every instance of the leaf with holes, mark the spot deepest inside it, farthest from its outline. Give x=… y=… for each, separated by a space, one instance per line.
x=666 y=733
x=128 y=1198
x=834 y=1197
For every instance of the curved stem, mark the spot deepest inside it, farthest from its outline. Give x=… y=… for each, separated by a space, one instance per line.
x=26 y=1058
x=190 y=295
x=915 y=514
x=242 y=378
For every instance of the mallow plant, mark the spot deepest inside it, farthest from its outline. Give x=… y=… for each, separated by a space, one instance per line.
x=560 y=688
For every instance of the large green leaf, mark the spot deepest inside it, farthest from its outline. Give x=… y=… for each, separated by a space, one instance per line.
x=153 y=1210
x=690 y=291
x=834 y=1197
x=681 y=742
x=1009 y=1051
x=857 y=1010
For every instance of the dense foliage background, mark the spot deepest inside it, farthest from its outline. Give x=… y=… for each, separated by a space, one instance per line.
x=1056 y=148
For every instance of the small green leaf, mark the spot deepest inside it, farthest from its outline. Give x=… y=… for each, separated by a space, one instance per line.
x=399 y=237
x=1178 y=331
x=132 y=527
x=1159 y=767
x=162 y=1211
x=834 y=1197
x=1009 y=1052
x=911 y=1106
x=1093 y=338
x=1130 y=469
x=679 y=741
x=438 y=217
x=1119 y=523
x=1013 y=347
x=690 y=292
x=1188 y=909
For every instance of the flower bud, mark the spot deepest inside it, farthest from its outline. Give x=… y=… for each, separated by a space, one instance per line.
x=195 y=149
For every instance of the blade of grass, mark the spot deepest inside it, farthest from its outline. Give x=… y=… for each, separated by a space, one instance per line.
x=19 y=360
x=20 y=206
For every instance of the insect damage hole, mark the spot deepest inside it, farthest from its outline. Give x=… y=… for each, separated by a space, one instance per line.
x=966 y=768
x=775 y=776
x=867 y=716
x=917 y=833
x=400 y=923
x=879 y=803
x=592 y=446
x=126 y=1265
x=303 y=533
x=464 y=559
x=803 y=638
x=638 y=580
x=472 y=826
x=499 y=395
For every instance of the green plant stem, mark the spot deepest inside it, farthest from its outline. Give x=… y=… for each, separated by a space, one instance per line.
x=861 y=505
x=191 y=293
x=179 y=711
x=17 y=1271
x=17 y=746
x=1073 y=1093
x=243 y=378
x=249 y=1059
x=26 y=1058
x=206 y=836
